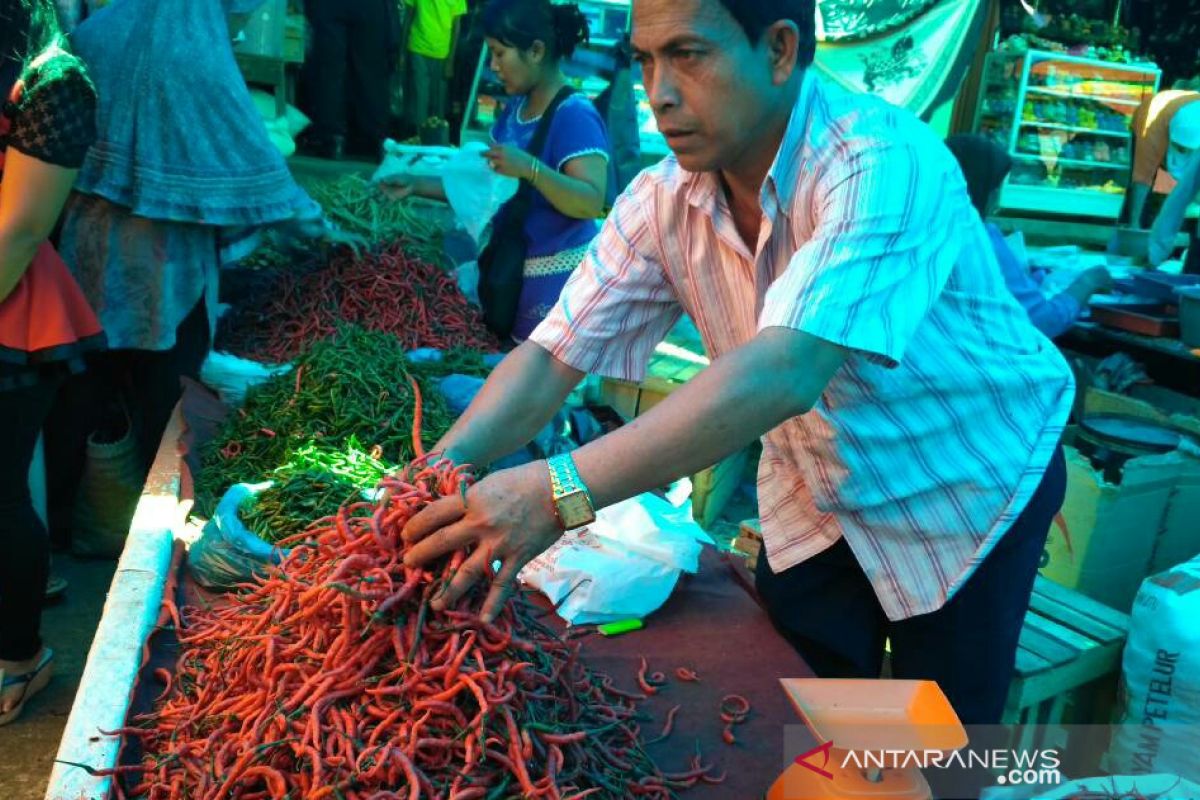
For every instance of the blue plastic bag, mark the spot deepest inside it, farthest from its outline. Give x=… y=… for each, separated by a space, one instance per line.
x=227 y=553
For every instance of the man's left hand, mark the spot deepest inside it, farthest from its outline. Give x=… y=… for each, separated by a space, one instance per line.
x=508 y=517
x=510 y=161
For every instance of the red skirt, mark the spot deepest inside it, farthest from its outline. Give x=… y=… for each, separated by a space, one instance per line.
x=46 y=318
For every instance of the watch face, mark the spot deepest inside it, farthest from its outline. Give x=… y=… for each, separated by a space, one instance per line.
x=575 y=510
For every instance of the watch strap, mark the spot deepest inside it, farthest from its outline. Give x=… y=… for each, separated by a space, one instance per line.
x=564 y=478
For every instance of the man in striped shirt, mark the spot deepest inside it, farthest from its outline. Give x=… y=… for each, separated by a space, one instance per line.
x=825 y=245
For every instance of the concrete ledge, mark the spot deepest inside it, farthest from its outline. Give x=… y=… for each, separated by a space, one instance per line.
x=130 y=615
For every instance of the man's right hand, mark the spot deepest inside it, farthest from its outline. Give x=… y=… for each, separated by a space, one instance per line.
x=1098 y=280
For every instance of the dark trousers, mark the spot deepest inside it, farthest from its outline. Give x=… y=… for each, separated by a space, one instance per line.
x=828 y=610
x=24 y=546
x=146 y=383
x=424 y=89
x=348 y=73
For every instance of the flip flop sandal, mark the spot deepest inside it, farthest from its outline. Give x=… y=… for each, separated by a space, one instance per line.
x=56 y=585
x=31 y=683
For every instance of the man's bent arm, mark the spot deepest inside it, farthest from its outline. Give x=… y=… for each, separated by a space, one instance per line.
x=744 y=394
x=519 y=398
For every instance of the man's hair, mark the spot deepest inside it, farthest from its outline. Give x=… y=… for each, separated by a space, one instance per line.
x=755 y=16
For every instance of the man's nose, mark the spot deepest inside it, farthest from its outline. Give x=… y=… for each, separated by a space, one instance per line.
x=663 y=91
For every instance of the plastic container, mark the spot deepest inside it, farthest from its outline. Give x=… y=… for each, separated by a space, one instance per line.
x=1189 y=316
x=1146 y=319
x=1161 y=286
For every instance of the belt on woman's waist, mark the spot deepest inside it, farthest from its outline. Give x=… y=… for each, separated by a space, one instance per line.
x=563 y=261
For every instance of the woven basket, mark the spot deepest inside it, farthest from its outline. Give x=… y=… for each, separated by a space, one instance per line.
x=108 y=495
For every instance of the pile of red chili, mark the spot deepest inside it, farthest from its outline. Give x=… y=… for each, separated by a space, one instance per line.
x=333 y=677
x=388 y=291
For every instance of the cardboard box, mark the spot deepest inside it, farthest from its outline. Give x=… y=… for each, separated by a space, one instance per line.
x=669 y=368
x=749 y=542
x=1110 y=536
x=1102 y=541
x=1179 y=538
x=712 y=488
x=263 y=31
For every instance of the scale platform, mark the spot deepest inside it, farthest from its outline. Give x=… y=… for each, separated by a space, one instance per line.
x=864 y=730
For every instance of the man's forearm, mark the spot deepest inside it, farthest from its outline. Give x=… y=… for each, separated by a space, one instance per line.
x=430 y=188
x=1139 y=194
x=516 y=402
x=1173 y=212
x=743 y=395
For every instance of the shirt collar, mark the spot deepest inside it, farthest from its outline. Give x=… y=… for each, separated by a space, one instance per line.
x=780 y=184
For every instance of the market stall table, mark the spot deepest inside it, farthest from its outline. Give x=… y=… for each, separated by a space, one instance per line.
x=712 y=624
x=1168 y=362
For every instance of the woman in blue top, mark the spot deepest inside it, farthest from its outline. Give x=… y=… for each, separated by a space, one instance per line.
x=985 y=165
x=527 y=40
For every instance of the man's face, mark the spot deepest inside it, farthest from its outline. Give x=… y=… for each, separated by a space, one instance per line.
x=709 y=86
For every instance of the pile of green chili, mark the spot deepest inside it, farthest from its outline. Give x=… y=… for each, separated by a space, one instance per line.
x=315 y=482
x=308 y=428
x=357 y=206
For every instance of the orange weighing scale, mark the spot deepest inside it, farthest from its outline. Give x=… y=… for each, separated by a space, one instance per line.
x=859 y=725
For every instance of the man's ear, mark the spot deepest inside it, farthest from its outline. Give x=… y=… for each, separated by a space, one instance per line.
x=782 y=42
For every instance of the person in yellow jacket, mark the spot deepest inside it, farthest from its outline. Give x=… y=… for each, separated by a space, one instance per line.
x=432 y=32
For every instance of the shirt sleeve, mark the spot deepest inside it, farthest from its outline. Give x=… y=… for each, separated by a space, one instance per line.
x=1150 y=147
x=1052 y=316
x=1170 y=217
x=881 y=251
x=618 y=304
x=458 y=8
x=55 y=118
x=576 y=131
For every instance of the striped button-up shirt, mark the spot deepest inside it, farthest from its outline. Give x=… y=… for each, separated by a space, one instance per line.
x=931 y=439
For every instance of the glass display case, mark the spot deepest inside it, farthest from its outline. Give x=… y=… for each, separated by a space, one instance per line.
x=586 y=69
x=1066 y=122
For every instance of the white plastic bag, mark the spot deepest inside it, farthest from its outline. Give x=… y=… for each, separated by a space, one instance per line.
x=623 y=566
x=475 y=191
x=231 y=377
x=1159 y=728
x=412 y=159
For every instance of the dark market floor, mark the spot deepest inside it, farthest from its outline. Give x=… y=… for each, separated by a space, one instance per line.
x=28 y=746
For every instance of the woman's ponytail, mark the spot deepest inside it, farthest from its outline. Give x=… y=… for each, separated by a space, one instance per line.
x=570 y=29
x=520 y=23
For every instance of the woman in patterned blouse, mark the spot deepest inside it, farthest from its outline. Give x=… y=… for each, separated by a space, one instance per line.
x=46 y=127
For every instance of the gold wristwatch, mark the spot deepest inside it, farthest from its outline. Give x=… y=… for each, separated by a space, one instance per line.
x=572 y=501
